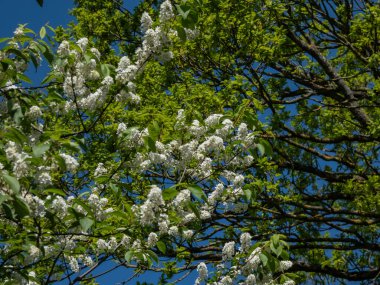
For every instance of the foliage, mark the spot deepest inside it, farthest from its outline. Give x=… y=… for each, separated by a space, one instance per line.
x=227 y=137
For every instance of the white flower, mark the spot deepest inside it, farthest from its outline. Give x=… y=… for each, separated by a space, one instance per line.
x=152 y=239
x=146 y=22
x=245 y=241
x=112 y=243
x=96 y=52
x=251 y=280
x=182 y=198
x=73 y=263
x=238 y=180
x=188 y=234
x=34 y=112
x=173 y=231
x=155 y=196
x=64 y=49
x=213 y=120
x=82 y=43
x=202 y=271
x=121 y=128
x=163 y=224
x=228 y=250
x=44 y=178
x=196 y=129
x=19 y=31
x=289 y=282
x=213 y=143
x=59 y=206
x=126 y=241
x=226 y=280
x=34 y=252
x=102 y=244
x=285 y=265
x=205 y=168
x=100 y=170
x=71 y=163
x=205 y=215
x=166 y=11
x=216 y=194
x=87 y=260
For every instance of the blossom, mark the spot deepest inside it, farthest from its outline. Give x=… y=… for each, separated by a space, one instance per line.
x=285 y=265
x=202 y=272
x=226 y=280
x=87 y=260
x=34 y=252
x=100 y=170
x=173 y=231
x=73 y=263
x=251 y=280
x=121 y=128
x=82 y=43
x=245 y=242
x=228 y=250
x=71 y=163
x=64 y=49
x=146 y=22
x=188 y=234
x=289 y=282
x=19 y=31
x=166 y=11
x=152 y=239
x=59 y=206
x=34 y=112
x=102 y=244
x=213 y=120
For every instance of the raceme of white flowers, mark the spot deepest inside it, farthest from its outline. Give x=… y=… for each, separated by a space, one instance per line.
x=216 y=150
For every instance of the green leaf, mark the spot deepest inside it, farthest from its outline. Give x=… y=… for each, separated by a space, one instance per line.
x=161 y=246
x=169 y=193
x=264 y=147
x=55 y=191
x=248 y=193
x=24 y=78
x=48 y=55
x=197 y=192
x=21 y=208
x=276 y=250
x=40 y=2
x=12 y=182
x=181 y=33
x=261 y=149
x=17 y=53
x=195 y=210
x=42 y=32
x=86 y=223
x=16 y=135
x=276 y=239
x=40 y=149
x=150 y=143
x=154 y=130
x=105 y=70
x=263 y=258
x=153 y=255
x=128 y=256
x=8 y=211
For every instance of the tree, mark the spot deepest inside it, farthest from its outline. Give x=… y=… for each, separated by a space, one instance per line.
x=254 y=133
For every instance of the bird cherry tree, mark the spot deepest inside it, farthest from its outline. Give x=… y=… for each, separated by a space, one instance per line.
x=82 y=186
